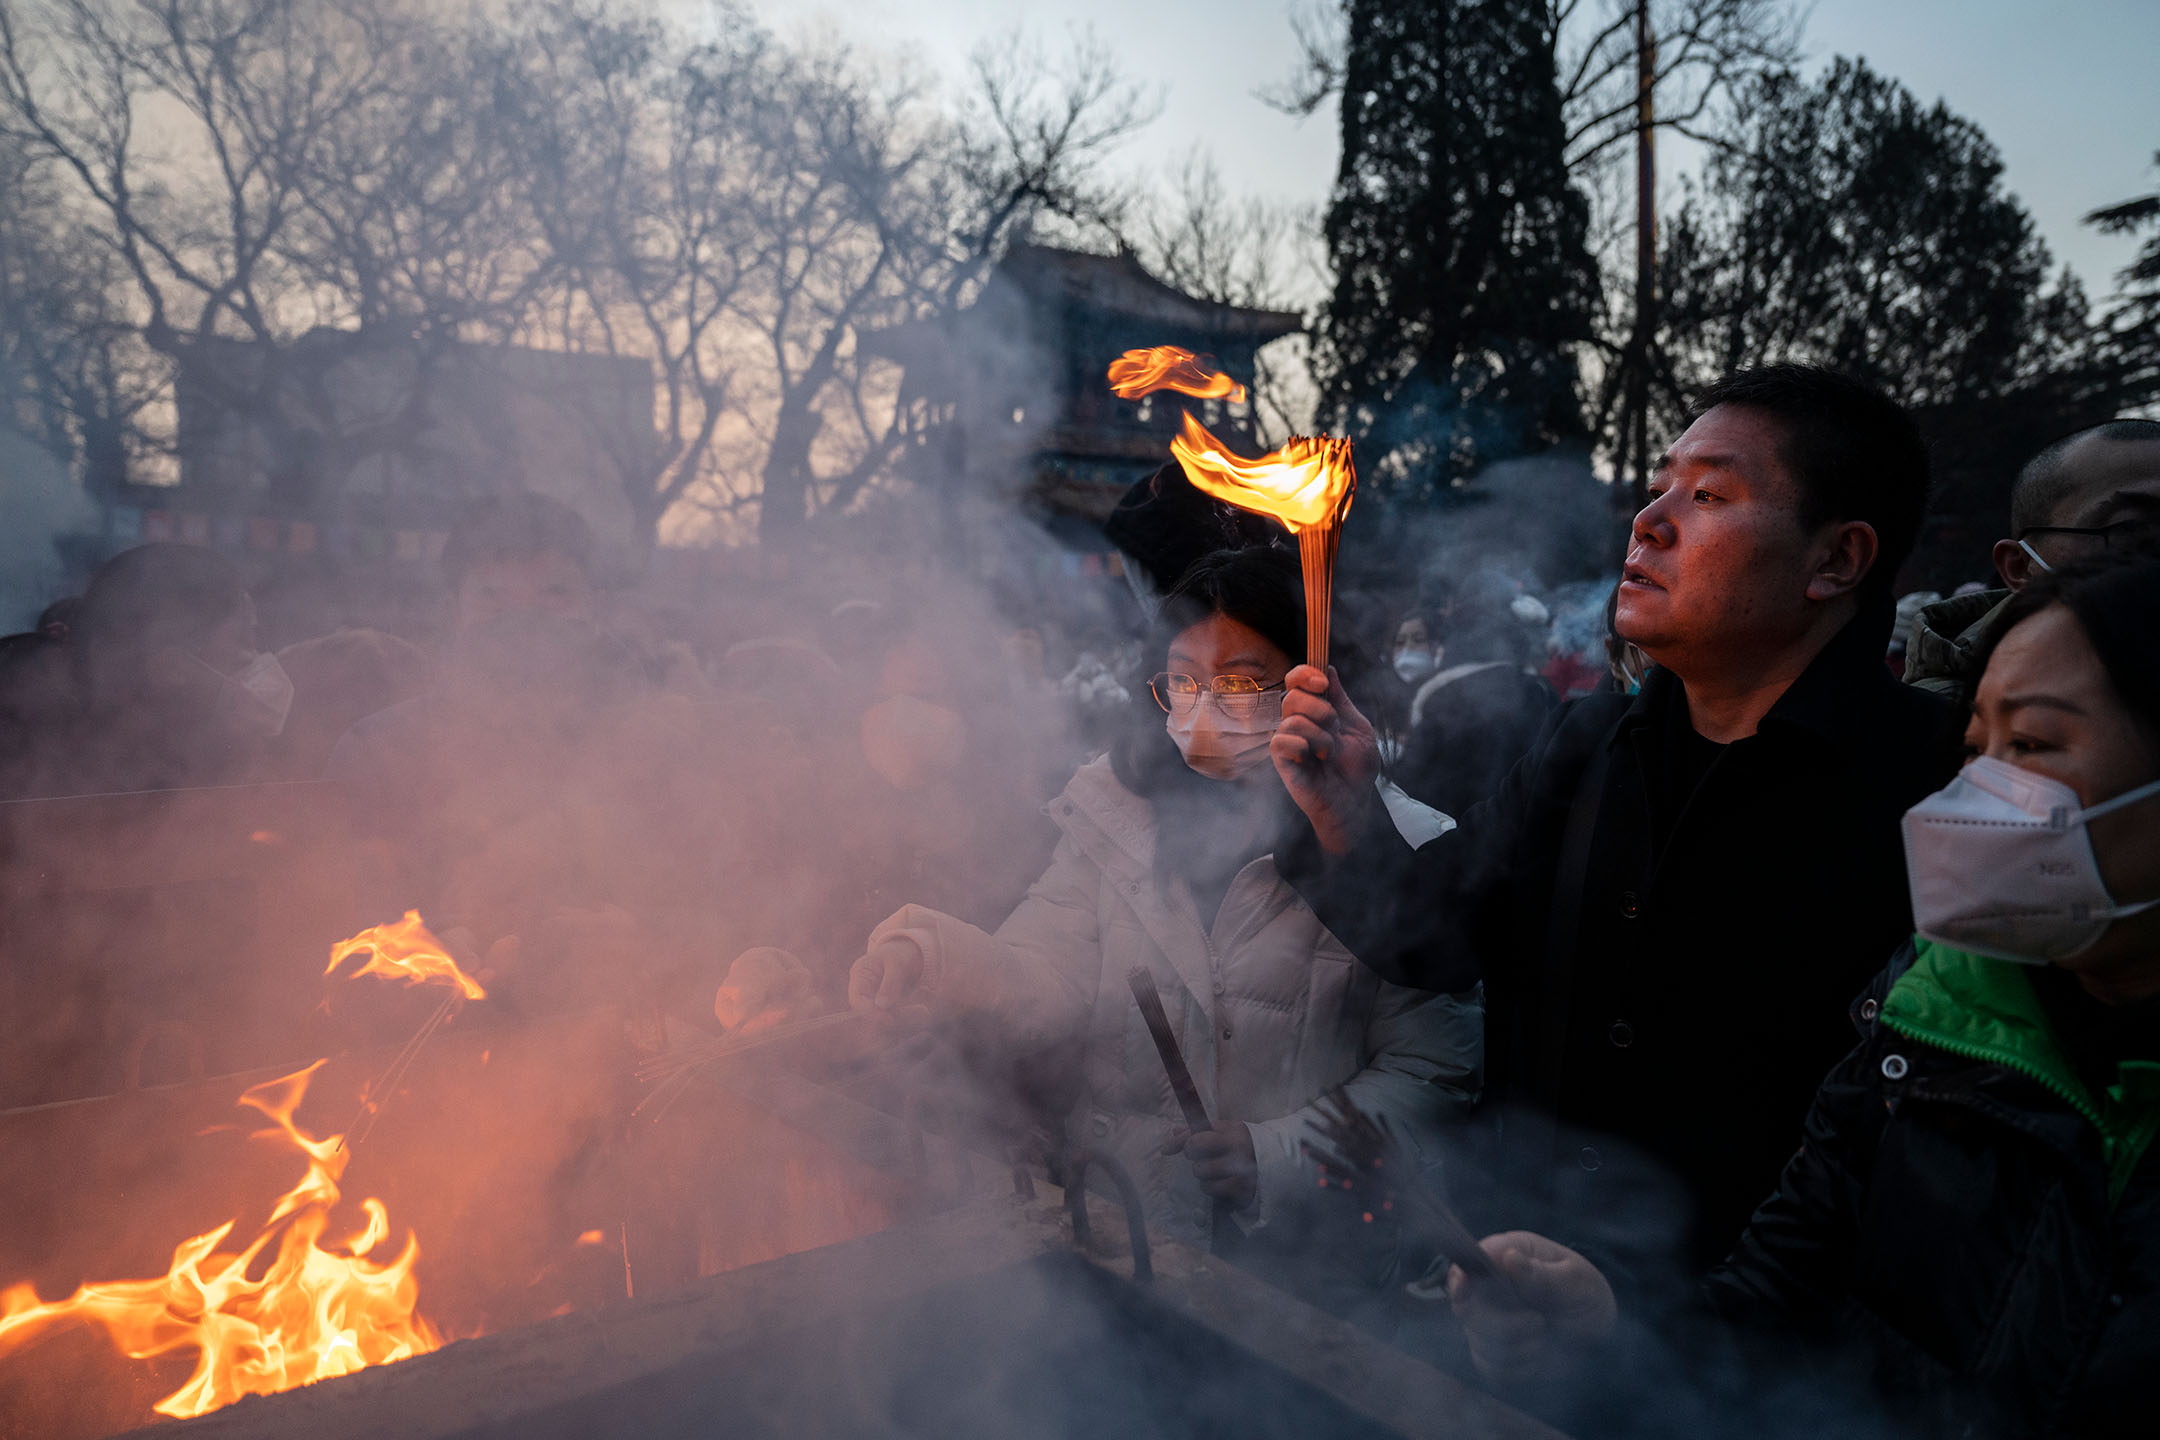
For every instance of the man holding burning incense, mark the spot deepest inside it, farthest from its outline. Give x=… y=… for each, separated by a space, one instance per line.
x=1675 y=894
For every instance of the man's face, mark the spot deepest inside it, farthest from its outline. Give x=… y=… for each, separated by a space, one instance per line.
x=1718 y=564
x=2113 y=484
x=550 y=583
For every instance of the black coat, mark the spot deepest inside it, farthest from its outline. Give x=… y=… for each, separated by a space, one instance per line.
x=1687 y=997
x=1469 y=734
x=1955 y=1215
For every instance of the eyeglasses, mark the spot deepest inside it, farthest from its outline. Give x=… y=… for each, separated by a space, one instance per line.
x=2122 y=532
x=1239 y=696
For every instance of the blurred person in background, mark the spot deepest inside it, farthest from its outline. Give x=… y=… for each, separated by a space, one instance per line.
x=1976 y=1206
x=1410 y=648
x=2089 y=493
x=489 y=802
x=1671 y=899
x=1165 y=861
x=1909 y=607
x=1471 y=720
x=169 y=688
x=338 y=680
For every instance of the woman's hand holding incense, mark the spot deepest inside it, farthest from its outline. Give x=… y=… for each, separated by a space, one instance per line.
x=1554 y=1306
x=1223 y=1161
x=889 y=978
x=1328 y=756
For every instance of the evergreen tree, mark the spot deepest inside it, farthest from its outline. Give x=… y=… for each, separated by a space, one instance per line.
x=1463 y=280
x=1849 y=225
x=2133 y=322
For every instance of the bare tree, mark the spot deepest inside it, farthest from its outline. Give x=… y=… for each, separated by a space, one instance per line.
x=72 y=371
x=297 y=179
x=1246 y=251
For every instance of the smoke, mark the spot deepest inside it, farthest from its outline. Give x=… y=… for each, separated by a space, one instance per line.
x=604 y=800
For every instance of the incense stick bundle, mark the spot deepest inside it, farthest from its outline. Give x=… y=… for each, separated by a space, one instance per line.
x=1316 y=550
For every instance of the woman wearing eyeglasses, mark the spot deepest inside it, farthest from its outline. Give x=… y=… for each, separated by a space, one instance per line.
x=1164 y=862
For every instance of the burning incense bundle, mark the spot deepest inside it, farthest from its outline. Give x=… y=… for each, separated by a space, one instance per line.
x=1356 y=1149
x=1306 y=485
x=408 y=952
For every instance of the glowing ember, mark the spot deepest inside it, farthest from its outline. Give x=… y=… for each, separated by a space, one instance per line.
x=1307 y=485
x=314 y=1313
x=1167 y=367
x=405 y=951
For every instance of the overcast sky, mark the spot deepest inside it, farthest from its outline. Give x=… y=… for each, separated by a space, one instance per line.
x=2065 y=88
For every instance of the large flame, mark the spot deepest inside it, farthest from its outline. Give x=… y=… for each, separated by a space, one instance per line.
x=1169 y=367
x=406 y=951
x=314 y=1313
x=1306 y=484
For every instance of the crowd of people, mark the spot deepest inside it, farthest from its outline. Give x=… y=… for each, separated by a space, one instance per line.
x=1767 y=968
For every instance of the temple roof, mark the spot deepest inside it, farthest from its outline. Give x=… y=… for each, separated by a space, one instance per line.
x=1120 y=285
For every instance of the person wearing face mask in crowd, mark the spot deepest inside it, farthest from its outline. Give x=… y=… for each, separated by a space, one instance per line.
x=1409 y=654
x=1977 y=1187
x=1475 y=715
x=1164 y=861
x=169 y=689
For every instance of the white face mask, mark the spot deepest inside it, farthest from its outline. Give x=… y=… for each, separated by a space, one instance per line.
x=257 y=697
x=1413 y=664
x=2001 y=865
x=2034 y=556
x=1222 y=746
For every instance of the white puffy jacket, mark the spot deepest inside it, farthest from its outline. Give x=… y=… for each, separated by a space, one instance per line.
x=1270 y=1011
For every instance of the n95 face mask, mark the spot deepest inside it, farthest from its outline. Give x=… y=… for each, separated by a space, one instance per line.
x=1225 y=742
x=2001 y=865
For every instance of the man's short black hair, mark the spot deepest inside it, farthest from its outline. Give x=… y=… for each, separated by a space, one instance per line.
x=1855 y=452
x=520 y=526
x=2047 y=480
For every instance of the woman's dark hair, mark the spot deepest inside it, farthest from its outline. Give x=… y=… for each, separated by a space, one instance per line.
x=1261 y=587
x=2116 y=601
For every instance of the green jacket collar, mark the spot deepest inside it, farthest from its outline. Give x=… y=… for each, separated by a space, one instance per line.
x=1986 y=1010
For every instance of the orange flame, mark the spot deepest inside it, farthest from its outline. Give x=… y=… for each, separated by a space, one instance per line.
x=1307 y=485
x=406 y=951
x=315 y=1312
x=1168 y=367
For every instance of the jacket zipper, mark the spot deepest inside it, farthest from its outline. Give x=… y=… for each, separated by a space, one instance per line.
x=2111 y=1147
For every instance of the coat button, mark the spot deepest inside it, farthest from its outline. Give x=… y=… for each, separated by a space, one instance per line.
x=1622 y=1034
x=1218 y=987
x=1102 y=1125
x=1630 y=906
x=1894 y=1067
x=1590 y=1158
x=1226 y=1032
x=1869 y=1009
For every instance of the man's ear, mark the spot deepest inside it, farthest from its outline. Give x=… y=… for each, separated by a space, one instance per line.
x=1851 y=550
x=2013 y=564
